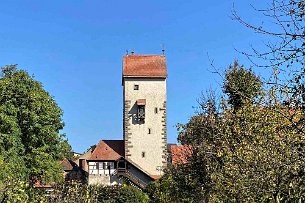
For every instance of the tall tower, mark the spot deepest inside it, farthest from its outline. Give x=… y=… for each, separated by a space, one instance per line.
x=144 y=89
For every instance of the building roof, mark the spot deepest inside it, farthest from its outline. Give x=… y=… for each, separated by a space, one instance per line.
x=108 y=150
x=151 y=66
x=141 y=102
x=155 y=177
x=179 y=153
x=68 y=165
x=38 y=184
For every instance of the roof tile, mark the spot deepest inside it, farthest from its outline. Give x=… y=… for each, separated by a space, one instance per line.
x=68 y=165
x=144 y=66
x=180 y=153
x=108 y=150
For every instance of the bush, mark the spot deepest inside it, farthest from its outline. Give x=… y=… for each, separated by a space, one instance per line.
x=79 y=193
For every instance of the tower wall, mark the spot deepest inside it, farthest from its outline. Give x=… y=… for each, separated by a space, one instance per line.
x=146 y=137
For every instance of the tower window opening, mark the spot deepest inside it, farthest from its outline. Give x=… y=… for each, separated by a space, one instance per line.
x=141 y=112
x=143 y=154
x=156 y=110
x=149 y=131
x=136 y=87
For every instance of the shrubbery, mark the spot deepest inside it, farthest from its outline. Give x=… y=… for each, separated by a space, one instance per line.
x=76 y=193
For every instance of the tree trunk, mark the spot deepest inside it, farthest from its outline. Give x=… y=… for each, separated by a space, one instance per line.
x=206 y=196
x=277 y=197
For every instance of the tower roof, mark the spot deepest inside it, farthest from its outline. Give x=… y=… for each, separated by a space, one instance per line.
x=150 y=66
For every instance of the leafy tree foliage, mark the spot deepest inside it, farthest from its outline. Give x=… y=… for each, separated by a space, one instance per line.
x=81 y=193
x=254 y=153
x=246 y=151
x=179 y=184
x=30 y=120
x=77 y=193
x=241 y=85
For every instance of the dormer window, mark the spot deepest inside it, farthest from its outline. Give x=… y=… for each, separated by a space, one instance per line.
x=141 y=108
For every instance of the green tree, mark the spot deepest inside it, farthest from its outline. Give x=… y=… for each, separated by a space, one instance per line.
x=253 y=153
x=179 y=184
x=241 y=85
x=79 y=193
x=193 y=181
x=30 y=121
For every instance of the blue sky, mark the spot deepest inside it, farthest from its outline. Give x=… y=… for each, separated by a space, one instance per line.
x=75 y=49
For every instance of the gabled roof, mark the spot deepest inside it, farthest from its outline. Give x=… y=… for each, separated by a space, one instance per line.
x=108 y=150
x=68 y=165
x=179 y=153
x=151 y=66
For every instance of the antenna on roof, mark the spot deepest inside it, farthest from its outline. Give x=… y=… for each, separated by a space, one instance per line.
x=163 y=50
x=127 y=52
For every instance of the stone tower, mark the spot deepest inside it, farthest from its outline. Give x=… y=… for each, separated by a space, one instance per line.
x=144 y=125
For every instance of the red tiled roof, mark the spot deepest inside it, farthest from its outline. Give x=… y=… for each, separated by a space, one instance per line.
x=67 y=164
x=37 y=184
x=144 y=66
x=155 y=177
x=109 y=150
x=180 y=153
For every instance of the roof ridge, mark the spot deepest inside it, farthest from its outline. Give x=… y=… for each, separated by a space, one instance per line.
x=106 y=150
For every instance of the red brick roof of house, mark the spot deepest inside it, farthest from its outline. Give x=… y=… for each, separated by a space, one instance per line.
x=155 y=177
x=150 y=66
x=37 y=184
x=179 y=153
x=67 y=164
x=108 y=150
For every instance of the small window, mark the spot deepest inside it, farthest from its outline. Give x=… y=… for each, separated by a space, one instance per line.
x=141 y=112
x=156 y=110
x=136 y=87
x=149 y=131
x=143 y=154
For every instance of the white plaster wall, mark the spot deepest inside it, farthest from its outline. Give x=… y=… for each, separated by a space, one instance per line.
x=154 y=91
x=104 y=180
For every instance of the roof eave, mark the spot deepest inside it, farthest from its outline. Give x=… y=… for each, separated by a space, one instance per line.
x=102 y=159
x=144 y=76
